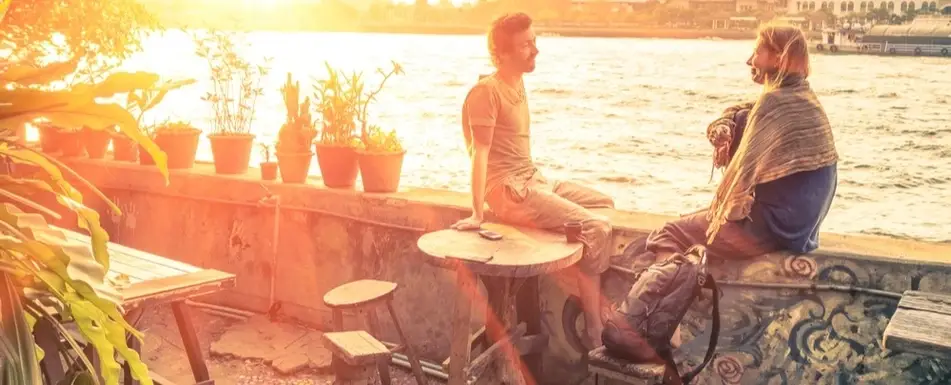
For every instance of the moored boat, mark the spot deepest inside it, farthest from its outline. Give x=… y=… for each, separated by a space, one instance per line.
x=925 y=36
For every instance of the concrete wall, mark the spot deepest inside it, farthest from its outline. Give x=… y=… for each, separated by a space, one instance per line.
x=329 y=237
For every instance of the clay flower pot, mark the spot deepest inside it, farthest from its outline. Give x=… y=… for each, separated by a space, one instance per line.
x=144 y=158
x=96 y=142
x=293 y=167
x=179 y=145
x=231 y=152
x=268 y=171
x=124 y=149
x=338 y=165
x=71 y=144
x=49 y=138
x=381 y=171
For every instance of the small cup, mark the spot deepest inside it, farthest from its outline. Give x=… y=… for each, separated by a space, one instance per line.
x=573 y=232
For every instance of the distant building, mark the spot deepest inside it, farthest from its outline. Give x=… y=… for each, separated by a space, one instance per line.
x=728 y=6
x=842 y=8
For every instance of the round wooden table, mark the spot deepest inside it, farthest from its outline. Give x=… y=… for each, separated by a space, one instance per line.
x=504 y=266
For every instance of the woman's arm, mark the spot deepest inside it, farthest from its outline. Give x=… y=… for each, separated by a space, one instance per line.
x=725 y=132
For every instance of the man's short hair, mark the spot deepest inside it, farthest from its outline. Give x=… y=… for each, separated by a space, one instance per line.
x=502 y=30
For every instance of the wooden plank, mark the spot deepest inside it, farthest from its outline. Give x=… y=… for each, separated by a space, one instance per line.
x=919 y=331
x=358 y=293
x=125 y=252
x=146 y=266
x=522 y=251
x=171 y=289
x=930 y=302
x=355 y=347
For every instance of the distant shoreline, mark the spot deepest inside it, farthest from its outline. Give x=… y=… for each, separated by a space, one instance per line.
x=664 y=33
x=455 y=29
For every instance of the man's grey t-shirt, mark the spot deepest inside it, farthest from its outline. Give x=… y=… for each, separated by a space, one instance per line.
x=494 y=105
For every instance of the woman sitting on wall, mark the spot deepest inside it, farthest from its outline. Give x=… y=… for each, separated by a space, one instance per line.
x=780 y=161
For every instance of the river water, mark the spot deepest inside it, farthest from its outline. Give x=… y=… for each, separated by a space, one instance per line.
x=626 y=116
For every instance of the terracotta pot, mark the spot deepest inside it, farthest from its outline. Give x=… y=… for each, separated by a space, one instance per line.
x=381 y=171
x=124 y=149
x=180 y=147
x=71 y=144
x=96 y=142
x=49 y=138
x=268 y=170
x=338 y=165
x=293 y=167
x=232 y=152
x=144 y=158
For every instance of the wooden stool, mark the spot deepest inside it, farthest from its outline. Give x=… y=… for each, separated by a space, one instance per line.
x=367 y=293
x=601 y=364
x=354 y=356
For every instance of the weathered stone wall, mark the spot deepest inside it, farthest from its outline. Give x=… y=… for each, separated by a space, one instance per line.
x=328 y=237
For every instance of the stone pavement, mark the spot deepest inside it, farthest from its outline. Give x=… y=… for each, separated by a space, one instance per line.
x=287 y=348
x=252 y=352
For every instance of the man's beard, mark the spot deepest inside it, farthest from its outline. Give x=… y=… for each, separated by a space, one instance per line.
x=528 y=65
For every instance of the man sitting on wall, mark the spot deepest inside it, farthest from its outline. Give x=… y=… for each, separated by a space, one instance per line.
x=495 y=123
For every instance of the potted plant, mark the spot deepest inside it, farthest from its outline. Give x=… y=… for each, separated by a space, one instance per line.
x=179 y=141
x=96 y=141
x=70 y=142
x=380 y=154
x=139 y=102
x=381 y=161
x=295 y=137
x=144 y=158
x=49 y=137
x=336 y=100
x=235 y=90
x=268 y=168
x=124 y=149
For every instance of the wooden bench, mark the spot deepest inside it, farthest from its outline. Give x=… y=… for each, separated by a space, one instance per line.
x=149 y=280
x=921 y=324
x=355 y=355
x=603 y=366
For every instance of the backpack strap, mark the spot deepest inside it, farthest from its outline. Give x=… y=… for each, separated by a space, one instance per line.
x=671 y=375
x=714 y=334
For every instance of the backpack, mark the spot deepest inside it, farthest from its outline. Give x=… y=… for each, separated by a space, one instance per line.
x=640 y=329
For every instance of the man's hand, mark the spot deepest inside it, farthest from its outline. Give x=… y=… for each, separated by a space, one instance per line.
x=473 y=222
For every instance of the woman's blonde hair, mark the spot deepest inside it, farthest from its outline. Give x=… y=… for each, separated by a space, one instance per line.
x=788 y=44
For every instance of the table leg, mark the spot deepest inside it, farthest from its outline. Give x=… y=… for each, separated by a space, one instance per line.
x=132 y=317
x=190 y=339
x=500 y=318
x=462 y=317
x=529 y=312
x=52 y=364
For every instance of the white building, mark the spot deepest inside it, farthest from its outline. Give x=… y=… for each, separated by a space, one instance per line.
x=845 y=7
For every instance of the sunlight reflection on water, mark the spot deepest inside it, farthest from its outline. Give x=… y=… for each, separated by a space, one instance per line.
x=624 y=115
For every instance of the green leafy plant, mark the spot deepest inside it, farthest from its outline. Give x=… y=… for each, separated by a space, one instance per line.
x=265 y=152
x=175 y=127
x=236 y=82
x=37 y=263
x=297 y=134
x=97 y=34
x=381 y=142
x=337 y=101
x=364 y=100
x=141 y=101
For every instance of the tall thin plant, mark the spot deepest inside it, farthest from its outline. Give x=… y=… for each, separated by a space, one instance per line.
x=337 y=101
x=365 y=99
x=236 y=82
